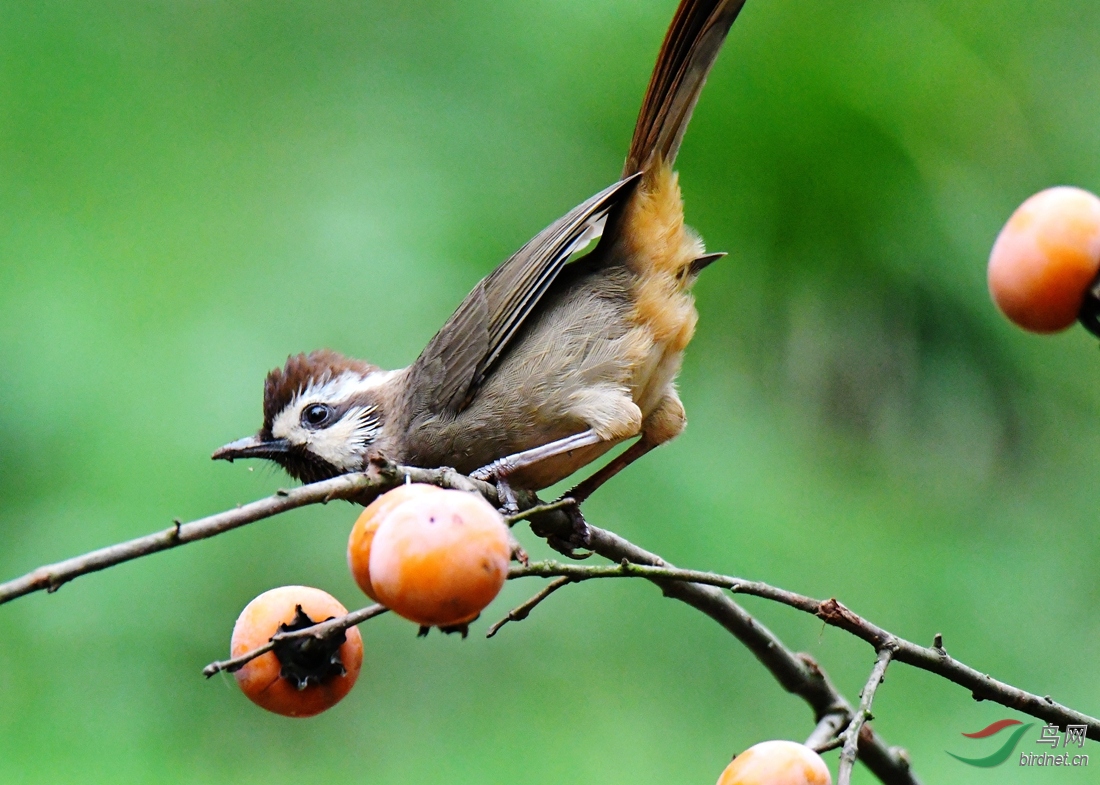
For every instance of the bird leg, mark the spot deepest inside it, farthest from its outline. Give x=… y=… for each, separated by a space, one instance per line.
x=499 y=469
x=586 y=487
x=579 y=537
x=665 y=422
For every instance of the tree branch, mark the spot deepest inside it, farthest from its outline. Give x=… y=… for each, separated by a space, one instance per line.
x=539 y=509
x=380 y=477
x=827 y=732
x=852 y=735
x=833 y=613
x=521 y=612
x=797 y=673
x=319 y=631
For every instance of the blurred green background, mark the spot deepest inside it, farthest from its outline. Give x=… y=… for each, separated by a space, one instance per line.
x=191 y=191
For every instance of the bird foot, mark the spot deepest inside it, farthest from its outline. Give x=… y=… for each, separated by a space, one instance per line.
x=497 y=472
x=498 y=468
x=579 y=537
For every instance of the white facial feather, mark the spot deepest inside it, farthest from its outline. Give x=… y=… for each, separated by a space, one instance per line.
x=341 y=443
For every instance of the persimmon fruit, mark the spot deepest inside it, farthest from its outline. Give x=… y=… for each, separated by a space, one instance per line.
x=438 y=559
x=1045 y=259
x=303 y=677
x=362 y=533
x=777 y=763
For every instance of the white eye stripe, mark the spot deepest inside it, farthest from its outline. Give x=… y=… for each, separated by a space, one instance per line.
x=288 y=423
x=344 y=386
x=330 y=390
x=343 y=439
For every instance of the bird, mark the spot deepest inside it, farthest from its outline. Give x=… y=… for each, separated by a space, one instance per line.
x=556 y=356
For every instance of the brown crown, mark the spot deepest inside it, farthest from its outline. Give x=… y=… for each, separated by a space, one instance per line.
x=318 y=367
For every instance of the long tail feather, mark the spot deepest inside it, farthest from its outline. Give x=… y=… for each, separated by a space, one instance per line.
x=690 y=47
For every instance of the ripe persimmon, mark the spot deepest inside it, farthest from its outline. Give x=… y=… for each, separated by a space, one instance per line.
x=777 y=763
x=302 y=677
x=1045 y=259
x=440 y=558
x=362 y=533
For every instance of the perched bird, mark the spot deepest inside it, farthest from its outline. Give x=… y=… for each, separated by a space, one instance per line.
x=548 y=363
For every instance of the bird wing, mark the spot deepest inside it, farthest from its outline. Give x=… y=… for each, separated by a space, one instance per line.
x=448 y=373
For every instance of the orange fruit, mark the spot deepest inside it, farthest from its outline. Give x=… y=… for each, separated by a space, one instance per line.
x=440 y=558
x=362 y=533
x=303 y=677
x=1046 y=258
x=777 y=763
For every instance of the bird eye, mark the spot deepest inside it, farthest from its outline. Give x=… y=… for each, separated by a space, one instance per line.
x=315 y=415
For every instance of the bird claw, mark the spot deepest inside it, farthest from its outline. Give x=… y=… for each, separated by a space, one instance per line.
x=497 y=472
x=507 y=498
x=493 y=471
x=579 y=537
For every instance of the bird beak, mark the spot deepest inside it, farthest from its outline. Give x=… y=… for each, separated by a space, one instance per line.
x=251 y=447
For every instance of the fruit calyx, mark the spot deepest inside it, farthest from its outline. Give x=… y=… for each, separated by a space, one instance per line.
x=309 y=660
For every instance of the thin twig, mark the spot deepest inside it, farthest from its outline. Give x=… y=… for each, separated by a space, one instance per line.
x=380 y=477
x=824 y=747
x=797 y=673
x=520 y=612
x=826 y=734
x=539 y=509
x=52 y=576
x=934 y=660
x=851 y=735
x=319 y=631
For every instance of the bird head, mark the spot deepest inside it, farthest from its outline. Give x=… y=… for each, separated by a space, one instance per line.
x=323 y=414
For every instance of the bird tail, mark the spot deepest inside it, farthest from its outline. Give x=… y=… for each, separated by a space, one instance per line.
x=690 y=47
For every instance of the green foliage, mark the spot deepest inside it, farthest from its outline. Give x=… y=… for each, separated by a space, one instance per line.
x=189 y=192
